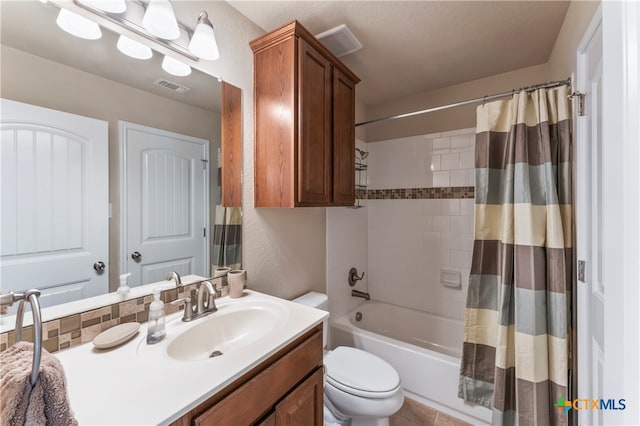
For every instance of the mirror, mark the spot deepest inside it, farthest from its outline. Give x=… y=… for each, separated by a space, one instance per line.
x=46 y=67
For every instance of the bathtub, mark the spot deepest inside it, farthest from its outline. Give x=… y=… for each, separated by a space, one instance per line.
x=424 y=348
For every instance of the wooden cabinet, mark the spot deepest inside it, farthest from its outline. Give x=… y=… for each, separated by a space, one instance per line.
x=304 y=153
x=286 y=389
x=303 y=405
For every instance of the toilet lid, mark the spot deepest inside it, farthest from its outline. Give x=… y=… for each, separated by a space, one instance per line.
x=360 y=373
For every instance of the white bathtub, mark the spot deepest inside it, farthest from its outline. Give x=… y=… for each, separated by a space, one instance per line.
x=424 y=348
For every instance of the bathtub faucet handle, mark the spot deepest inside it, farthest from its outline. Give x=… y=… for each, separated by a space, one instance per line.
x=353 y=276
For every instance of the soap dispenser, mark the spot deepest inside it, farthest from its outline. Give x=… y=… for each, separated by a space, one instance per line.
x=123 y=290
x=155 y=324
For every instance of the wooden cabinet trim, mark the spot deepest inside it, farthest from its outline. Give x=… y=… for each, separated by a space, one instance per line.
x=305 y=350
x=231 y=146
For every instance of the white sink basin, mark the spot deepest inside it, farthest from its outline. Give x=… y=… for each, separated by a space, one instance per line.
x=226 y=331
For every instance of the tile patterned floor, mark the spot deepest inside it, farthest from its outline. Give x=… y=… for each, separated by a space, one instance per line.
x=413 y=413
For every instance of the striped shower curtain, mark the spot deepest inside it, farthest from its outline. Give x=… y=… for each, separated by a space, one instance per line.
x=227 y=237
x=516 y=334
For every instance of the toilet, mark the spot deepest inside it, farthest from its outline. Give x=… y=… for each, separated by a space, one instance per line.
x=359 y=386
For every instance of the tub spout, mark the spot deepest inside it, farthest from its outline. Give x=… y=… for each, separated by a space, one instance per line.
x=357 y=293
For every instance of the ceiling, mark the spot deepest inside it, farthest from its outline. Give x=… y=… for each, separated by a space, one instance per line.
x=415 y=46
x=30 y=26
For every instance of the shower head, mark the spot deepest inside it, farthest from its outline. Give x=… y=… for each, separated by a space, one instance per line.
x=363 y=154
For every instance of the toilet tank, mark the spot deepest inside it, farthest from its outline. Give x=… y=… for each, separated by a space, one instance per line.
x=320 y=301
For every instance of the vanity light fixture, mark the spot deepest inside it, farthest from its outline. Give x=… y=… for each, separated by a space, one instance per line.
x=77 y=25
x=160 y=20
x=133 y=49
x=203 y=42
x=154 y=21
x=109 y=6
x=175 y=67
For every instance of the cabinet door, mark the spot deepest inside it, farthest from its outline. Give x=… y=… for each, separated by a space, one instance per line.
x=303 y=405
x=344 y=137
x=314 y=175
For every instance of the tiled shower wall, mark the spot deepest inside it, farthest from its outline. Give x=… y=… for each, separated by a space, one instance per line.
x=411 y=242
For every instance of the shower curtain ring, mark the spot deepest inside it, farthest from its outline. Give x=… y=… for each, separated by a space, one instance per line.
x=484 y=100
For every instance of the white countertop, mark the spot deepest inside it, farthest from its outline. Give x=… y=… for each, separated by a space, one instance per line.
x=139 y=384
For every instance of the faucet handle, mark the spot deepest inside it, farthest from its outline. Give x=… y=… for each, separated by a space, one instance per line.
x=188 y=310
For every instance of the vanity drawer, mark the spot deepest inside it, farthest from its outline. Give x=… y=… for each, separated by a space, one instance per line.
x=260 y=390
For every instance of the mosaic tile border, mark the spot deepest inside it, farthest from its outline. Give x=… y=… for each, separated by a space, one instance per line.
x=421 y=193
x=74 y=330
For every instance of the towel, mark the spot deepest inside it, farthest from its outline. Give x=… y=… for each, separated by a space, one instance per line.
x=46 y=403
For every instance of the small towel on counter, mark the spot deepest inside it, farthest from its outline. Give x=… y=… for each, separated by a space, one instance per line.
x=46 y=403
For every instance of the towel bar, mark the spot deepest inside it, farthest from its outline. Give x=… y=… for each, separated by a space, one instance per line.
x=32 y=297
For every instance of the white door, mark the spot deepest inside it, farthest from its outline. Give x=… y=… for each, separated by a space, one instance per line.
x=164 y=204
x=55 y=211
x=589 y=221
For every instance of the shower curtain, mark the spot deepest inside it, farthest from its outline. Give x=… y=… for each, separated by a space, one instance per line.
x=227 y=237
x=516 y=333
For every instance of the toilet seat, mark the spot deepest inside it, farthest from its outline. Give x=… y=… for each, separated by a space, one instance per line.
x=360 y=373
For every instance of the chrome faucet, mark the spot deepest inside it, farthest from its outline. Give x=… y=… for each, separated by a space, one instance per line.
x=201 y=309
x=358 y=293
x=173 y=275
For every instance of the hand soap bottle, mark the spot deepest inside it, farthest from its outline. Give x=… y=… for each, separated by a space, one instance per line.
x=155 y=324
x=123 y=290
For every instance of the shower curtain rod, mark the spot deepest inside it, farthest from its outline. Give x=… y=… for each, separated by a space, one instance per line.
x=470 y=101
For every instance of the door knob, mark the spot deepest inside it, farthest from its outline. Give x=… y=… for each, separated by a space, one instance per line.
x=136 y=256
x=99 y=266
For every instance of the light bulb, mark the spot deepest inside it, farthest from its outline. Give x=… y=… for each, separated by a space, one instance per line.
x=203 y=42
x=175 y=67
x=133 y=48
x=160 y=20
x=77 y=25
x=109 y=6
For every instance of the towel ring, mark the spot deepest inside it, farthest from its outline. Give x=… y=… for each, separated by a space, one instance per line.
x=32 y=297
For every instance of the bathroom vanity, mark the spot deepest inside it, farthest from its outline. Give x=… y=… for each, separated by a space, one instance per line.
x=269 y=373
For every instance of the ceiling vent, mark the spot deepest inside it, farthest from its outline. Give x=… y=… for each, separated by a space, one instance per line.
x=340 y=40
x=171 y=85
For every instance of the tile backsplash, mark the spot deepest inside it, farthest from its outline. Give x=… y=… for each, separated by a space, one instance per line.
x=76 y=329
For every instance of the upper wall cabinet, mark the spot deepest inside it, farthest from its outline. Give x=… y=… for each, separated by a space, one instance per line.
x=304 y=122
